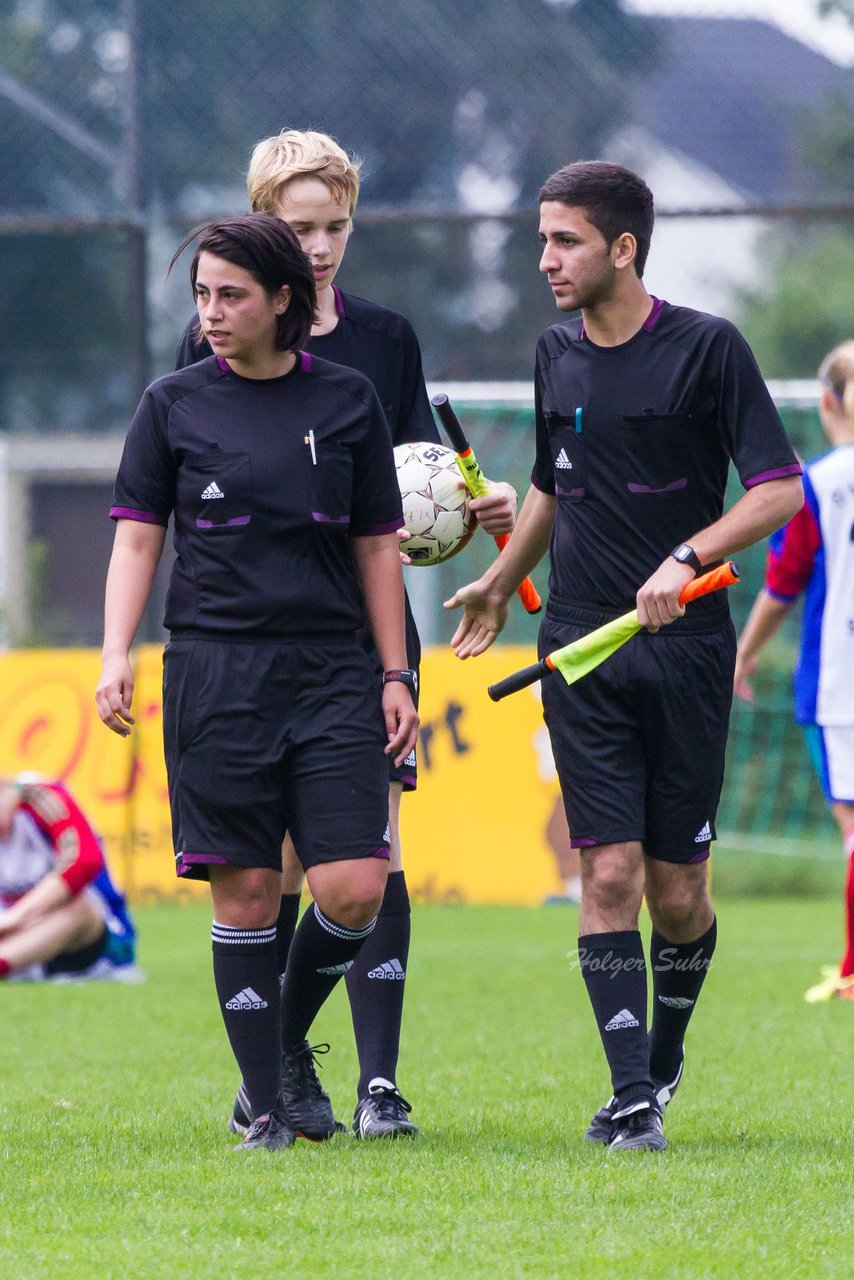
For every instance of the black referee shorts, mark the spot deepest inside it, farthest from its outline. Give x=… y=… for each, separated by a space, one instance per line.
x=264 y=738
x=639 y=743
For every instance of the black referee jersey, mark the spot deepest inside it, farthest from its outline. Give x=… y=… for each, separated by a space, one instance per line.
x=266 y=478
x=635 y=443
x=380 y=343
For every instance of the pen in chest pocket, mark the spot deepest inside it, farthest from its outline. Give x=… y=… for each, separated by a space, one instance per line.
x=579 y=414
x=309 y=440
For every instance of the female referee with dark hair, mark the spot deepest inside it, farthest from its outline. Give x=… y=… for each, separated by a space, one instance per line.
x=278 y=469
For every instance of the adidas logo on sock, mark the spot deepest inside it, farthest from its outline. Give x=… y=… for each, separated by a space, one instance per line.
x=676 y=1002
x=336 y=970
x=705 y=834
x=393 y=970
x=562 y=462
x=246 y=999
x=622 y=1021
x=213 y=491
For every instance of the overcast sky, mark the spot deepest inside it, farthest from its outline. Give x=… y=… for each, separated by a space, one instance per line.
x=834 y=37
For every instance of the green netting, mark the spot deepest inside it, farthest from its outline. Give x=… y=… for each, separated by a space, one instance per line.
x=771 y=789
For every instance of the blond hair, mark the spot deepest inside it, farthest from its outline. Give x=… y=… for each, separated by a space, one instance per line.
x=837 y=374
x=294 y=153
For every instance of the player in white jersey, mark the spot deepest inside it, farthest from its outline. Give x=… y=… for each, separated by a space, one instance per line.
x=814 y=554
x=61 y=913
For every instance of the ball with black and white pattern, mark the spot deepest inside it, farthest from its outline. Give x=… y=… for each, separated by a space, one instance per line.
x=436 y=507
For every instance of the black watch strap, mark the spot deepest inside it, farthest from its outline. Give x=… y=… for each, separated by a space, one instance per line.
x=405 y=675
x=687 y=555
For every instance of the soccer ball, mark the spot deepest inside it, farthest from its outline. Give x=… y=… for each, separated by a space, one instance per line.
x=435 y=502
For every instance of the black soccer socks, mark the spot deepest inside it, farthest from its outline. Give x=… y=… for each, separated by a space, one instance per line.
x=614 y=970
x=286 y=927
x=321 y=953
x=678 y=973
x=375 y=984
x=247 y=985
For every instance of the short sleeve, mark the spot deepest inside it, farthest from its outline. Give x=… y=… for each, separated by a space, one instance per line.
x=792 y=551
x=416 y=421
x=747 y=416
x=191 y=347
x=145 y=484
x=376 y=505
x=543 y=473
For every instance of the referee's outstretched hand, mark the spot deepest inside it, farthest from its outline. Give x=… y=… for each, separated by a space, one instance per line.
x=114 y=694
x=658 y=599
x=482 y=622
x=401 y=720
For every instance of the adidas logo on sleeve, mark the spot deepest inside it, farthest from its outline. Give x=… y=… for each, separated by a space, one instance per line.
x=213 y=491
x=391 y=970
x=622 y=1021
x=246 y=999
x=562 y=462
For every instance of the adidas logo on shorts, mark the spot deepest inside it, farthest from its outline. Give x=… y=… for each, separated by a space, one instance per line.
x=246 y=999
x=392 y=970
x=213 y=491
x=622 y=1021
x=410 y=759
x=562 y=462
x=703 y=835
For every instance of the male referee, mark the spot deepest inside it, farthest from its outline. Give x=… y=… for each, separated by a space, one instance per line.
x=640 y=405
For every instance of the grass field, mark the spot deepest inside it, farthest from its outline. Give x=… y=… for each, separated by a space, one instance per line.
x=116 y=1160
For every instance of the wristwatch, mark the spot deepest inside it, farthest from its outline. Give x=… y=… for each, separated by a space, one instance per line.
x=687 y=555
x=405 y=675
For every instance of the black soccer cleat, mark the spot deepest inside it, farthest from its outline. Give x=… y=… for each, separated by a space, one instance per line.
x=383 y=1113
x=637 y=1127
x=601 y=1127
x=305 y=1105
x=271 y=1132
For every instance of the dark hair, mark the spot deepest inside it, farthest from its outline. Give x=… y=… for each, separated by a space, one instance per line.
x=268 y=249
x=613 y=198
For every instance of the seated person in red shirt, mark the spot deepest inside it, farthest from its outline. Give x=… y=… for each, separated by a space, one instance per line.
x=59 y=911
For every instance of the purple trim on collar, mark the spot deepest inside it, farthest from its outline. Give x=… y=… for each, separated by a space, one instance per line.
x=304 y=362
x=129 y=513
x=793 y=469
x=652 y=319
x=339 y=301
x=320 y=518
x=224 y=366
x=649 y=323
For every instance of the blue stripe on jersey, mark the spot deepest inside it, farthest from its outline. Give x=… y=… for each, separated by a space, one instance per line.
x=809 y=658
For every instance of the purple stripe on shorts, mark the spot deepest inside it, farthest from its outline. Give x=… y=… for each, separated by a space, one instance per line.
x=209 y=524
x=184 y=861
x=408 y=780
x=323 y=519
x=223 y=364
x=793 y=469
x=584 y=843
x=652 y=319
x=668 y=488
x=305 y=362
x=129 y=513
x=382 y=853
x=339 y=301
x=700 y=856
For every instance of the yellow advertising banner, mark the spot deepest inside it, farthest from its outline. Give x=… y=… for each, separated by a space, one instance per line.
x=477 y=829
